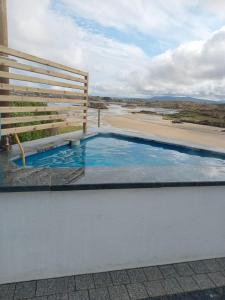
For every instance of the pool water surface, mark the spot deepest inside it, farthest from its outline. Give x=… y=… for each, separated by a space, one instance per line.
x=117 y=151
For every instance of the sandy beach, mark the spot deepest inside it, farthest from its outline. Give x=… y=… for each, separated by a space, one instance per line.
x=158 y=127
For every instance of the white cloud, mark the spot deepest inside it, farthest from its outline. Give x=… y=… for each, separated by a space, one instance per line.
x=119 y=69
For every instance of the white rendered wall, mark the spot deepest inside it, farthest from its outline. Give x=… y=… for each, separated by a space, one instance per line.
x=50 y=234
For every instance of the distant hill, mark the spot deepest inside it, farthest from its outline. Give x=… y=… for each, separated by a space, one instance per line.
x=184 y=98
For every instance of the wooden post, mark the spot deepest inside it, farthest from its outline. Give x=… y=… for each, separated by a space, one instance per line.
x=99 y=117
x=4 y=42
x=85 y=107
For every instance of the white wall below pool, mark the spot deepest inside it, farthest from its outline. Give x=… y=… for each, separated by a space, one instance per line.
x=50 y=234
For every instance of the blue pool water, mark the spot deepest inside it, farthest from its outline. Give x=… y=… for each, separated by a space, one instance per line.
x=111 y=150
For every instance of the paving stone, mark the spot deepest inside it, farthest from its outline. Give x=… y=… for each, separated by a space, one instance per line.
x=85 y=281
x=155 y=288
x=55 y=285
x=212 y=265
x=137 y=291
x=168 y=271
x=171 y=286
x=199 y=267
x=118 y=292
x=218 y=278
x=153 y=273
x=102 y=279
x=99 y=294
x=203 y=281
x=120 y=277
x=61 y=296
x=136 y=275
x=25 y=290
x=79 y=295
x=188 y=283
x=221 y=262
x=183 y=269
x=7 y=291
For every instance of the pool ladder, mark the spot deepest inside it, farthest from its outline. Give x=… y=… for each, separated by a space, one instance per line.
x=21 y=150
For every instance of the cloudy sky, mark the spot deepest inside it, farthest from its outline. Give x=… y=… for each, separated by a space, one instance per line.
x=133 y=48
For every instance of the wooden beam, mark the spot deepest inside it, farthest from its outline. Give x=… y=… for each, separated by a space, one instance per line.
x=28 y=119
x=19 y=109
x=39 y=60
x=24 y=67
x=13 y=98
x=18 y=88
x=37 y=127
x=40 y=80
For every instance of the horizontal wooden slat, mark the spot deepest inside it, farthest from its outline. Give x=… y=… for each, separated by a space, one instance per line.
x=14 y=120
x=40 y=80
x=20 y=66
x=39 y=60
x=14 y=130
x=17 y=88
x=19 y=109
x=13 y=98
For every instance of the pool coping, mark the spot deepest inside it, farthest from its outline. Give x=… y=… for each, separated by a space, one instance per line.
x=60 y=140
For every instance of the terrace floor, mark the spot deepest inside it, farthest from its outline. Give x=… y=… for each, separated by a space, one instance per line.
x=203 y=279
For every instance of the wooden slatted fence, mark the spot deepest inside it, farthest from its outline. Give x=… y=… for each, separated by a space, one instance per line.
x=59 y=93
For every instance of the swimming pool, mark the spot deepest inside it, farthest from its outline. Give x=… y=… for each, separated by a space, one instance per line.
x=120 y=151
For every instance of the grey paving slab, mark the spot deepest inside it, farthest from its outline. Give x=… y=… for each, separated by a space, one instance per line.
x=120 y=277
x=153 y=273
x=118 y=292
x=155 y=288
x=55 y=285
x=58 y=297
x=188 y=283
x=183 y=269
x=213 y=265
x=38 y=298
x=171 y=286
x=218 y=278
x=168 y=271
x=137 y=291
x=79 y=295
x=136 y=275
x=99 y=294
x=85 y=281
x=25 y=290
x=203 y=281
x=199 y=267
x=102 y=279
x=221 y=262
x=7 y=291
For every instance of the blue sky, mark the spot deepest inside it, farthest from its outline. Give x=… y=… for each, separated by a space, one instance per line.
x=131 y=48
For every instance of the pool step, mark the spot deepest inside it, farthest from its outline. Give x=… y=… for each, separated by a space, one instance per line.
x=74 y=142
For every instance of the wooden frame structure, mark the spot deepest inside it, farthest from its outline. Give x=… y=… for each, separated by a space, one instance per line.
x=54 y=95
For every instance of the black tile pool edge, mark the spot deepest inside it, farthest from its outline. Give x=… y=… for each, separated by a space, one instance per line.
x=104 y=186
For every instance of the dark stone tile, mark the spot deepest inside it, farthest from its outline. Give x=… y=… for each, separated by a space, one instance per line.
x=38 y=298
x=79 y=295
x=221 y=262
x=203 y=281
x=25 y=290
x=120 y=277
x=102 y=279
x=218 y=278
x=188 y=283
x=99 y=294
x=199 y=267
x=58 y=297
x=155 y=288
x=55 y=285
x=136 y=275
x=85 y=281
x=7 y=291
x=168 y=271
x=171 y=286
x=153 y=273
x=118 y=292
x=137 y=291
x=213 y=265
x=183 y=269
